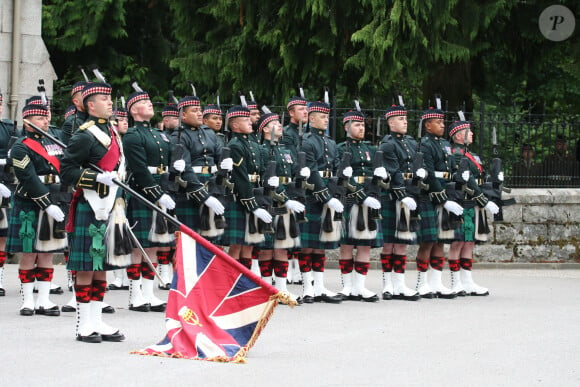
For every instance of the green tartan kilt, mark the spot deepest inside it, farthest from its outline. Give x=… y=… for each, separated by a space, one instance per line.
x=187 y=211
x=14 y=241
x=80 y=241
x=429 y=229
x=236 y=229
x=389 y=222
x=5 y=211
x=347 y=240
x=466 y=232
x=140 y=218
x=310 y=231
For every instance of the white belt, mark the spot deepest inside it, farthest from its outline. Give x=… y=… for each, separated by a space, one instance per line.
x=49 y=179
x=204 y=169
x=157 y=170
x=442 y=175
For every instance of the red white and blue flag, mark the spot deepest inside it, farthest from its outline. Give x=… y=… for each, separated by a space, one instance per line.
x=216 y=307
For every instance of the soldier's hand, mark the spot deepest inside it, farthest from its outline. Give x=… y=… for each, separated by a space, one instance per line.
x=453 y=207
x=294 y=205
x=410 y=203
x=492 y=207
x=215 y=205
x=2 y=162
x=500 y=176
x=4 y=191
x=227 y=164
x=465 y=176
x=372 y=203
x=263 y=215
x=274 y=182
x=55 y=212
x=305 y=172
x=106 y=178
x=335 y=204
x=421 y=173
x=179 y=165
x=166 y=201
x=347 y=171
x=380 y=172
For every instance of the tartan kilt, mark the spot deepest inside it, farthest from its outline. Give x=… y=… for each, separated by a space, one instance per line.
x=310 y=231
x=429 y=229
x=389 y=222
x=4 y=223
x=80 y=240
x=14 y=241
x=187 y=211
x=141 y=218
x=466 y=232
x=347 y=240
x=236 y=229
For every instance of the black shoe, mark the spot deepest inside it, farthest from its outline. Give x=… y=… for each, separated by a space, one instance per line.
x=337 y=299
x=446 y=296
x=68 y=308
x=115 y=337
x=164 y=287
x=108 y=309
x=428 y=295
x=57 y=290
x=158 y=308
x=2 y=292
x=344 y=297
x=479 y=294
x=92 y=338
x=373 y=298
x=114 y=287
x=140 y=308
x=414 y=297
x=299 y=282
x=54 y=311
x=387 y=296
x=306 y=300
x=26 y=312
x=461 y=294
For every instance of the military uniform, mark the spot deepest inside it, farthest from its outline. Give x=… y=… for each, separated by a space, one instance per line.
x=7 y=132
x=32 y=230
x=215 y=109
x=75 y=120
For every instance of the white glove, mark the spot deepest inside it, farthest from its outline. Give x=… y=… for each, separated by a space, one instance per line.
x=274 y=181
x=55 y=212
x=380 y=172
x=106 y=178
x=179 y=165
x=372 y=203
x=410 y=203
x=335 y=204
x=294 y=206
x=227 y=164
x=347 y=171
x=492 y=207
x=166 y=201
x=421 y=173
x=305 y=172
x=452 y=206
x=500 y=176
x=263 y=215
x=4 y=191
x=465 y=176
x=2 y=162
x=215 y=205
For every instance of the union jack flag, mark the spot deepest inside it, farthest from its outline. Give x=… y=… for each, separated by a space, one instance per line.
x=216 y=307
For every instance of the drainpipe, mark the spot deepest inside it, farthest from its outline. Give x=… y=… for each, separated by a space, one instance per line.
x=15 y=59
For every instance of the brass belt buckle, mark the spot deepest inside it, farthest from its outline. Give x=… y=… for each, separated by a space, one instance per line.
x=160 y=170
x=49 y=179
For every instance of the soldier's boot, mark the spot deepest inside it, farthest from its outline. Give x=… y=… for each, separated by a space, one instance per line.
x=255 y=266
x=165 y=274
x=307 y=288
x=280 y=284
x=471 y=288
x=294 y=268
x=136 y=300
x=157 y=305
x=346 y=292
x=280 y=270
x=117 y=283
x=2 y=291
x=387 y=285
x=27 y=293
x=107 y=332
x=85 y=329
x=457 y=285
x=70 y=306
x=55 y=289
x=321 y=293
x=400 y=289
x=290 y=274
x=360 y=291
x=43 y=304
x=440 y=290
x=422 y=286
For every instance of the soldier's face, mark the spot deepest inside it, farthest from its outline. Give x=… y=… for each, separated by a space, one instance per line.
x=273 y=127
x=318 y=120
x=101 y=106
x=398 y=124
x=77 y=100
x=213 y=121
x=170 y=122
x=40 y=121
x=142 y=110
x=435 y=126
x=254 y=115
x=192 y=116
x=356 y=130
x=122 y=125
x=298 y=113
x=241 y=125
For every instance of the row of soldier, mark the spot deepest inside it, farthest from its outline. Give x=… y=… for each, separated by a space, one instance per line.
x=276 y=194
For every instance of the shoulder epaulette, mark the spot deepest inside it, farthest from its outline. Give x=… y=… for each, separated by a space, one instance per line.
x=86 y=125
